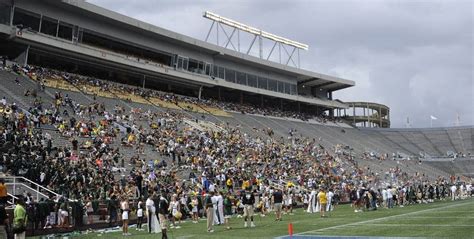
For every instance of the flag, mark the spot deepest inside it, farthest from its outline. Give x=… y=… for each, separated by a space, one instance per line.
x=433 y=117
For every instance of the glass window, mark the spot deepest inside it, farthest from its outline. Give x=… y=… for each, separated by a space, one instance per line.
x=241 y=78
x=293 y=90
x=5 y=13
x=215 y=71
x=180 y=63
x=287 y=88
x=185 y=63
x=65 y=31
x=200 y=69
x=272 y=85
x=221 y=72
x=193 y=66
x=262 y=83
x=229 y=75
x=27 y=19
x=252 y=80
x=281 y=87
x=208 y=69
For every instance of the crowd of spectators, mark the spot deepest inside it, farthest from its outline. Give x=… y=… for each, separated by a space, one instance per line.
x=109 y=86
x=109 y=156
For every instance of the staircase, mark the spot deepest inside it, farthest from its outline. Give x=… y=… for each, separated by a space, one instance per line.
x=21 y=185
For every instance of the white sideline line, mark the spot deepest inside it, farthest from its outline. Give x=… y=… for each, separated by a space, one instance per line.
x=414 y=225
x=423 y=217
x=383 y=218
x=450 y=211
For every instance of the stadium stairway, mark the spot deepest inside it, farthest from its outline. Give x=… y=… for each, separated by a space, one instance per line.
x=17 y=92
x=457 y=140
x=408 y=143
x=424 y=143
x=441 y=140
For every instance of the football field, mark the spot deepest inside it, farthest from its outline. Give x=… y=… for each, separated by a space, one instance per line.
x=441 y=219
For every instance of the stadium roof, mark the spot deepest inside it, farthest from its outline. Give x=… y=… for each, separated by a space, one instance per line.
x=305 y=77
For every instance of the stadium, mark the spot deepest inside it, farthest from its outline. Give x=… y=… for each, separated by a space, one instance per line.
x=113 y=127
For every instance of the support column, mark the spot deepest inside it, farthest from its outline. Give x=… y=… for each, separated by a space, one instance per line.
x=144 y=80
x=26 y=55
x=299 y=107
x=12 y=12
x=368 y=114
x=200 y=92
x=41 y=22
x=380 y=117
x=364 y=116
x=354 y=114
x=22 y=59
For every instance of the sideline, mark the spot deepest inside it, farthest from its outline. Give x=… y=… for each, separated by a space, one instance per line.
x=375 y=220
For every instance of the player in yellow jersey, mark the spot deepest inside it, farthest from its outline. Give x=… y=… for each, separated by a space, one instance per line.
x=322 y=199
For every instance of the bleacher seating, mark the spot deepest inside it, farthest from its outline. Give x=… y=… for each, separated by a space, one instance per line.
x=378 y=141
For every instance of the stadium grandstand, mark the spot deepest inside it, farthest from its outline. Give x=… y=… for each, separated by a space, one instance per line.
x=104 y=117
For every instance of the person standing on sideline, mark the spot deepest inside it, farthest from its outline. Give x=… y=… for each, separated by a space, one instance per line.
x=329 y=196
x=220 y=207
x=227 y=209
x=89 y=210
x=389 y=197
x=322 y=199
x=214 y=206
x=453 y=192
x=277 y=199
x=312 y=201
x=20 y=219
x=162 y=213
x=384 y=198
x=153 y=224
x=248 y=200
x=174 y=208
x=139 y=215
x=209 y=211
x=125 y=215
x=194 y=210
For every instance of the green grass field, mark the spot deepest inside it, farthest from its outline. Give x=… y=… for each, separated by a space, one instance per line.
x=441 y=219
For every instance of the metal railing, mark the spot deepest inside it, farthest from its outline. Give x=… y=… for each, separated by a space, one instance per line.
x=22 y=182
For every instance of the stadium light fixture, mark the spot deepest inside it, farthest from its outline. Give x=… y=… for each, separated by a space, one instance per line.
x=253 y=30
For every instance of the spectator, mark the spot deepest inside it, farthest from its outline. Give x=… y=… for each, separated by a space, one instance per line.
x=3 y=192
x=3 y=221
x=20 y=219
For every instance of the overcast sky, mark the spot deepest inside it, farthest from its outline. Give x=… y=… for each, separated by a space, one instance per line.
x=414 y=56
